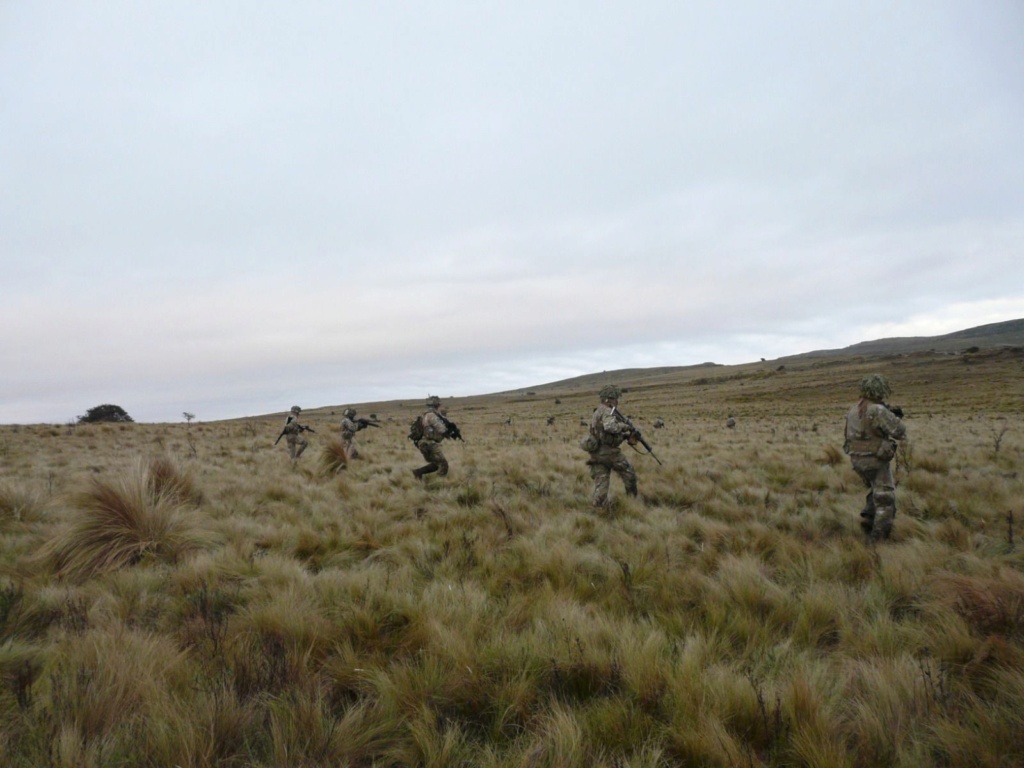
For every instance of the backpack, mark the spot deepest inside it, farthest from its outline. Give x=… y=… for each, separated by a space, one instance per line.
x=416 y=429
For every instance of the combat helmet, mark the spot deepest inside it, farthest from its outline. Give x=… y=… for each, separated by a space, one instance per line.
x=875 y=387
x=433 y=401
x=609 y=392
x=296 y=409
x=349 y=413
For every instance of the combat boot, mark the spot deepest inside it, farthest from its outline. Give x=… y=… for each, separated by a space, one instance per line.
x=867 y=522
x=425 y=470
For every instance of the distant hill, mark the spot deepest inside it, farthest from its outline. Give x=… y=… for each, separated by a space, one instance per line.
x=1006 y=334
x=621 y=376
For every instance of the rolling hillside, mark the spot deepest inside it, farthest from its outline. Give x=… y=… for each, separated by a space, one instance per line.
x=1008 y=334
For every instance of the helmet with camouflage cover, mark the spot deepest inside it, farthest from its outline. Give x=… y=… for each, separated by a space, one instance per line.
x=349 y=413
x=875 y=387
x=609 y=392
x=296 y=409
x=433 y=401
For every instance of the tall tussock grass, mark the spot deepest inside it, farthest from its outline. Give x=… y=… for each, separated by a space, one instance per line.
x=990 y=606
x=283 y=613
x=166 y=478
x=116 y=522
x=18 y=505
x=333 y=458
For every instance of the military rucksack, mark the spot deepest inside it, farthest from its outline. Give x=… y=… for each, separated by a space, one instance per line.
x=416 y=429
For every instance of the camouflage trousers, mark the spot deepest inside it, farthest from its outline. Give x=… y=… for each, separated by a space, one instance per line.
x=880 y=503
x=296 y=445
x=602 y=463
x=436 y=462
x=348 y=443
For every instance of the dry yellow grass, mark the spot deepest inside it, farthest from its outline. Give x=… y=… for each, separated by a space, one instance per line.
x=266 y=612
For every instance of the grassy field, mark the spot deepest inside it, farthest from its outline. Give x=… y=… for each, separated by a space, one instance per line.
x=184 y=595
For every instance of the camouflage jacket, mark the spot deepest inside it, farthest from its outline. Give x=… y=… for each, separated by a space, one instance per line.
x=871 y=430
x=608 y=430
x=349 y=427
x=434 y=427
x=291 y=425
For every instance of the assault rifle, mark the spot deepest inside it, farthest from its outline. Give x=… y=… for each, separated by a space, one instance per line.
x=895 y=410
x=635 y=433
x=285 y=431
x=364 y=423
x=453 y=430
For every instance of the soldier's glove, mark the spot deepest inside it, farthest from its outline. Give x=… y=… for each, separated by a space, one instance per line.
x=632 y=439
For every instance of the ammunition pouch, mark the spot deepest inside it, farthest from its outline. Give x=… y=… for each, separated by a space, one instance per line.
x=886 y=451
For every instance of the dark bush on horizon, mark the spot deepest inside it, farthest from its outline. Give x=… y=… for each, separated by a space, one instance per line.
x=105 y=413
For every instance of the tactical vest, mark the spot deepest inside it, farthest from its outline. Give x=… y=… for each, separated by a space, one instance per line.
x=610 y=439
x=861 y=438
x=431 y=431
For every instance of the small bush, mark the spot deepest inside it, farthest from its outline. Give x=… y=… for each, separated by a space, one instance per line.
x=105 y=413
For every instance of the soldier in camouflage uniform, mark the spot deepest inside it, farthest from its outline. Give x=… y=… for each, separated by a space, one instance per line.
x=870 y=440
x=349 y=427
x=293 y=433
x=435 y=429
x=602 y=443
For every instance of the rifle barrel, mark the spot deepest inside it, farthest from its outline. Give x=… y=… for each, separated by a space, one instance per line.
x=639 y=437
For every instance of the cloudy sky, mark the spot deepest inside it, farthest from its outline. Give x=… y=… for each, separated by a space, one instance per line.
x=227 y=208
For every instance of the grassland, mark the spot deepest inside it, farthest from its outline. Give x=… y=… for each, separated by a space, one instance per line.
x=183 y=595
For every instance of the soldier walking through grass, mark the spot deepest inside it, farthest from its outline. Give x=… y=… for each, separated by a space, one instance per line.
x=349 y=426
x=428 y=432
x=872 y=429
x=608 y=430
x=292 y=433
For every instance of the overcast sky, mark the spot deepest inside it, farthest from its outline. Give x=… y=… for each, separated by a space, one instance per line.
x=228 y=208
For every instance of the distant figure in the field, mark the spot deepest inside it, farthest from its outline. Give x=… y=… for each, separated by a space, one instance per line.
x=872 y=429
x=427 y=432
x=292 y=433
x=608 y=430
x=349 y=426
x=659 y=423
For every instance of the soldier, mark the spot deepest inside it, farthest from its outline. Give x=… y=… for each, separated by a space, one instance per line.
x=607 y=432
x=349 y=426
x=293 y=433
x=435 y=427
x=872 y=429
